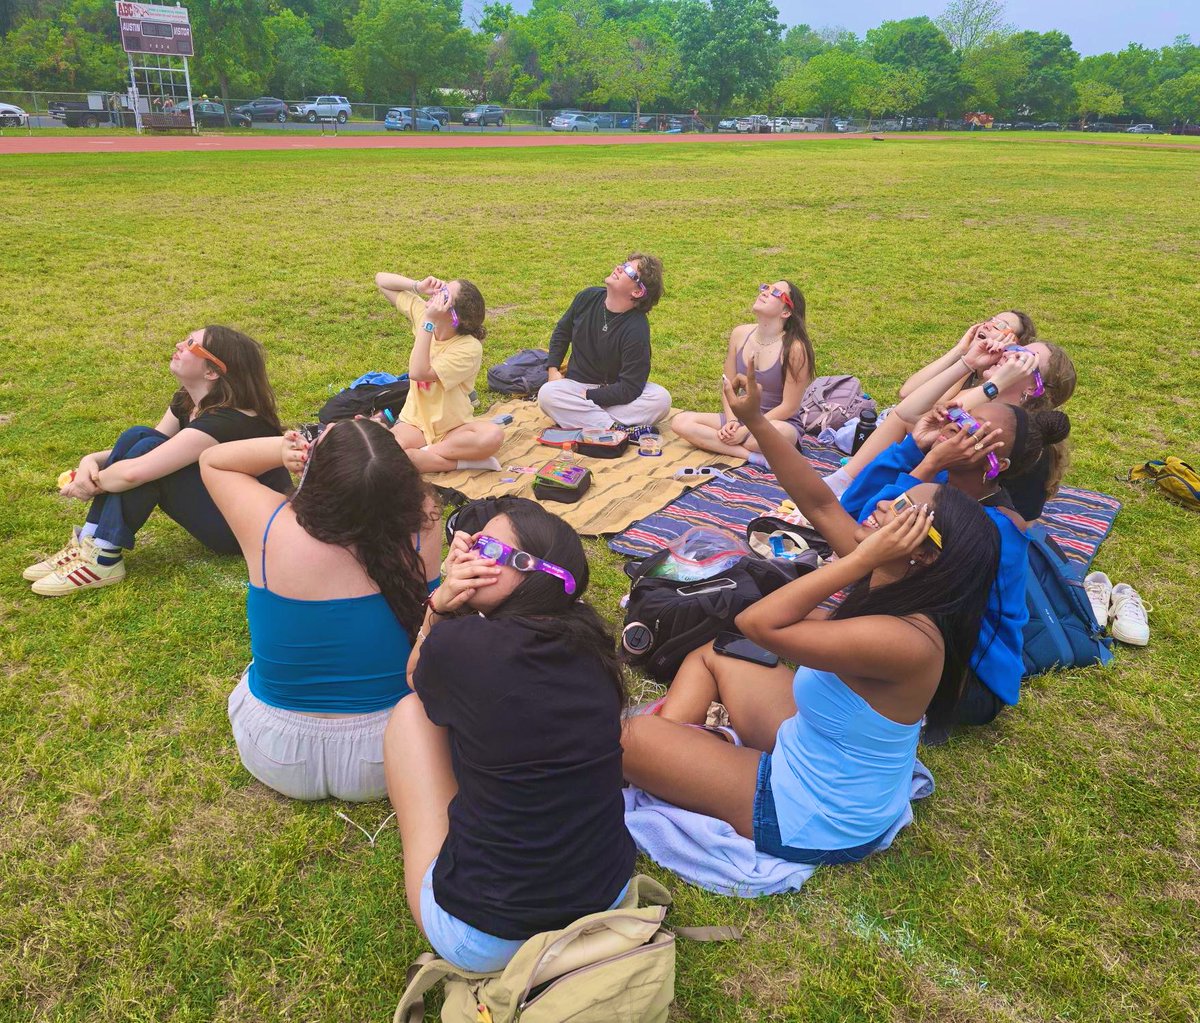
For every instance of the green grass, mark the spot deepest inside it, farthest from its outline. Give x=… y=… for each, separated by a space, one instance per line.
x=143 y=876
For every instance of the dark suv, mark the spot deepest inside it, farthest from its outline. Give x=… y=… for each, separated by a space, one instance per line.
x=265 y=108
x=484 y=113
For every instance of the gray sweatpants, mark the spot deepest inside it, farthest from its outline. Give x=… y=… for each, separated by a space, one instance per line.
x=564 y=401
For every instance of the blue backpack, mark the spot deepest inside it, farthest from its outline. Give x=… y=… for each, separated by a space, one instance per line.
x=1062 y=631
x=522 y=373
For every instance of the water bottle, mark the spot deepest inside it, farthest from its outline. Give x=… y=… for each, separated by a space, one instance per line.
x=864 y=429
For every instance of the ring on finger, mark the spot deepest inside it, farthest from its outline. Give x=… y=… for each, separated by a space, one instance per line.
x=979 y=445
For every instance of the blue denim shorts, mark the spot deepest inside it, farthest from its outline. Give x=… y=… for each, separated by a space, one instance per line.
x=465 y=946
x=766 y=831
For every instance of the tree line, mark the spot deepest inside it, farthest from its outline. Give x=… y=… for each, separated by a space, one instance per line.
x=713 y=55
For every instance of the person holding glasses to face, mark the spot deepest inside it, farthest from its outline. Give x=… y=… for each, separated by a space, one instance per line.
x=223 y=395
x=606 y=384
x=778 y=345
x=437 y=427
x=504 y=768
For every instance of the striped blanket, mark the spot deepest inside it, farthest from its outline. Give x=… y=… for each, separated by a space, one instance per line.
x=1078 y=519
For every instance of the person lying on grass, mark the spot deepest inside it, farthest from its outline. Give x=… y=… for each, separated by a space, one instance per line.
x=826 y=766
x=778 y=345
x=224 y=395
x=436 y=425
x=339 y=573
x=505 y=768
x=606 y=331
x=1037 y=378
x=978 y=456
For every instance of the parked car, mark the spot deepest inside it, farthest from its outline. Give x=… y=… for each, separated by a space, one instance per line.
x=76 y=114
x=1024 y=126
x=686 y=122
x=781 y=124
x=212 y=115
x=484 y=114
x=401 y=119
x=439 y=114
x=755 y=124
x=265 y=108
x=1049 y=126
x=573 y=122
x=727 y=124
x=12 y=116
x=313 y=108
x=1101 y=126
x=1142 y=129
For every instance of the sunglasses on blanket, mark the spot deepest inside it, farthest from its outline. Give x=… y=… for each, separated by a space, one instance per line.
x=965 y=421
x=522 y=561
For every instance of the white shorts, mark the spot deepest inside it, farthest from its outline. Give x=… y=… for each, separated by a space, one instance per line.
x=307 y=757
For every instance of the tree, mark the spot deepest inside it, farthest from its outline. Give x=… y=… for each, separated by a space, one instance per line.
x=638 y=62
x=994 y=75
x=232 y=44
x=1178 y=99
x=1048 y=87
x=968 y=24
x=892 y=91
x=917 y=44
x=833 y=82
x=1096 y=98
x=496 y=19
x=802 y=43
x=405 y=45
x=729 y=47
x=301 y=63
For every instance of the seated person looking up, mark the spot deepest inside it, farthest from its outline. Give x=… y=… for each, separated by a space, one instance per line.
x=339 y=574
x=505 y=768
x=437 y=426
x=223 y=395
x=826 y=768
x=607 y=335
x=778 y=345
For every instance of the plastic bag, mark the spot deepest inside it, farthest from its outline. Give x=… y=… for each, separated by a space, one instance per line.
x=700 y=553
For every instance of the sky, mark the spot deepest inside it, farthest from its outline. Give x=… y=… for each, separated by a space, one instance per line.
x=1096 y=27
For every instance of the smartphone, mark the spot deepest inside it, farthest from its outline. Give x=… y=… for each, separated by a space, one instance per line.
x=733 y=644
x=707 y=586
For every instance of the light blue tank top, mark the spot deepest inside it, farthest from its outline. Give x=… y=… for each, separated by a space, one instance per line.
x=841 y=773
x=341 y=656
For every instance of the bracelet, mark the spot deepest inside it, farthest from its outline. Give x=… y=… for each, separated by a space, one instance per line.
x=963 y=360
x=433 y=610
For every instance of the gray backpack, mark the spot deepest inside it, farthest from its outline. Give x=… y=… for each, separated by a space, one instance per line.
x=522 y=373
x=831 y=402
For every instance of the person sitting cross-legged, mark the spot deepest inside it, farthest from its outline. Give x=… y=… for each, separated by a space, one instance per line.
x=436 y=425
x=606 y=331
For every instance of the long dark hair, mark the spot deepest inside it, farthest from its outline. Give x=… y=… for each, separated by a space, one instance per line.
x=471 y=309
x=1034 y=433
x=361 y=492
x=540 y=597
x=795 y=331
x=952 y=590
x=244 y=384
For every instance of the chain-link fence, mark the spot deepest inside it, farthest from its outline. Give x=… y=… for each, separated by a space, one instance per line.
x=45 y=110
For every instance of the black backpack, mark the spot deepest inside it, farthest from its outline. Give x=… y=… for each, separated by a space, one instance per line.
x=365 y=400
x=522 y=373
x=666 y=620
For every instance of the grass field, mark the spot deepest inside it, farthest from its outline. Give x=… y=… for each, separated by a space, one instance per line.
x=144 y=876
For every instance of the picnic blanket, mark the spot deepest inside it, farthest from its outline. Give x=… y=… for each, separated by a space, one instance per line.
x=623 y=489
x=709 y=853
x=1079 y=520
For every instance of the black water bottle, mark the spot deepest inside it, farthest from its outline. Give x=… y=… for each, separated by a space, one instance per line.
x=864 y=429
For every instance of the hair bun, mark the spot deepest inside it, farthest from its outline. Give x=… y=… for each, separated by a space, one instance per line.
x=1053 y=425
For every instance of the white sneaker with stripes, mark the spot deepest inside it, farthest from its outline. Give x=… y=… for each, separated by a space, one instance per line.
x=81 y=572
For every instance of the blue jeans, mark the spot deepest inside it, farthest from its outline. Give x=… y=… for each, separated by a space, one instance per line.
x=180 y=494
x=465 y=946
x=767 y=838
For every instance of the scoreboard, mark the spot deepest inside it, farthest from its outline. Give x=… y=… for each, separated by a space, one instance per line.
x=154 y=28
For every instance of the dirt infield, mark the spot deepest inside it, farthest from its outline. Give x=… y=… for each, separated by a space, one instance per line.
x=35 y=144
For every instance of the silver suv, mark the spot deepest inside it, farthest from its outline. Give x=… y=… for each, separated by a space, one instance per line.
x=314 y=108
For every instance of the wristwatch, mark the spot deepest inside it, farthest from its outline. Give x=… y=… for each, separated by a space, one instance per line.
x=990 y=390
x=427 y=325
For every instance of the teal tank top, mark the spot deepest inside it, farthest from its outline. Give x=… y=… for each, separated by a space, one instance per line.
x=341 y=656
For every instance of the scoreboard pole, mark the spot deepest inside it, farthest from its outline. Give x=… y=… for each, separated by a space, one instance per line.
x=187 y=81
x=133 y=96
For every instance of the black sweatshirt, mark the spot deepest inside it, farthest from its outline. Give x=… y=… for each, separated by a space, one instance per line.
x=616 y=360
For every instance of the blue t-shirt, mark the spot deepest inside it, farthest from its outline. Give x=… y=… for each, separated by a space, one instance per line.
x=996 y=659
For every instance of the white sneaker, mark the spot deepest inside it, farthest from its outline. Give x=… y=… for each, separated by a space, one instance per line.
x=43 y=568
x=1099 y=589
x=82 y=572
x=1129 y=623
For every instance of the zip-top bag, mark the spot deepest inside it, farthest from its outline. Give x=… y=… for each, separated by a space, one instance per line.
x=1062 y=631
x=522 y=373
x=612 y=967
x=1178 y=480
x=831 y=402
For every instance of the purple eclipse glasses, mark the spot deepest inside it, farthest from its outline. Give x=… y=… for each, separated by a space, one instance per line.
x=453 y=312
x=522 y=561
x=1039 y=386
x=965 y=421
